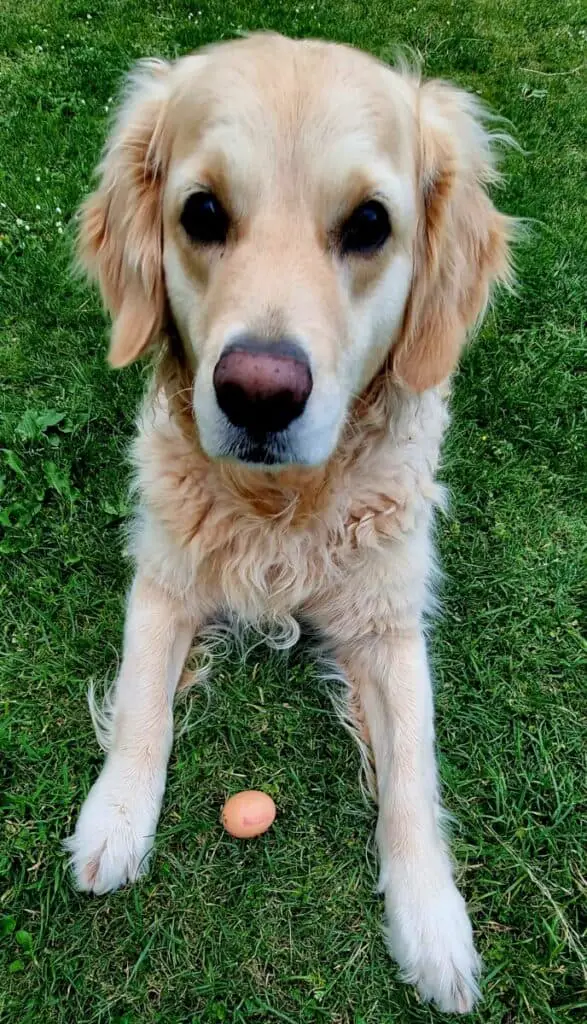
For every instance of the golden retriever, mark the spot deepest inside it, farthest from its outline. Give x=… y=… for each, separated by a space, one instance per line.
x=305 y=238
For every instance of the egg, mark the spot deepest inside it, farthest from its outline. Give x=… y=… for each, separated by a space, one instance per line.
x=248 y=814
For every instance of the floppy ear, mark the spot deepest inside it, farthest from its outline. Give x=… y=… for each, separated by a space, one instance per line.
x=461 y=248
x=120 y=236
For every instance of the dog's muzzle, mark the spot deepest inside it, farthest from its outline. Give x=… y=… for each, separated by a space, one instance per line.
x=262 y=387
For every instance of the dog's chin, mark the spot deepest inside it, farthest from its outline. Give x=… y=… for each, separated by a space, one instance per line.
x=301 y=445
x=268 y=451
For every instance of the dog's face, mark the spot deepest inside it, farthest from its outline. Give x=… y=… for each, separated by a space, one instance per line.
x=303 y=213
x=289 y=219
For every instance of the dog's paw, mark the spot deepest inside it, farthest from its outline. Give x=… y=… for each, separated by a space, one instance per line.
x=432 y=941
x=114 y=835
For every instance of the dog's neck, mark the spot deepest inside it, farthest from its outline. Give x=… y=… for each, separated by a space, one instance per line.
x=272 y=491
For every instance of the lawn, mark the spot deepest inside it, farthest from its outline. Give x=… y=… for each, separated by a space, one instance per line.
x=287 y=928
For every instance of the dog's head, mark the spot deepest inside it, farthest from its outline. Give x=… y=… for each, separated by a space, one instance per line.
x=307 y=218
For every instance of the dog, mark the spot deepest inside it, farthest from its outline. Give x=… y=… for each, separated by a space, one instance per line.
x=304 y=238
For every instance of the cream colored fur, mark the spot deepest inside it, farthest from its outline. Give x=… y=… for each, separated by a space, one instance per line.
x=291 y=135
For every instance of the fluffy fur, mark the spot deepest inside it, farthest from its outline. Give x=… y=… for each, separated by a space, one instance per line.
x=292 y=135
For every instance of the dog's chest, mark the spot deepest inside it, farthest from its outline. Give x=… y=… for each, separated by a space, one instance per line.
x=266 y=544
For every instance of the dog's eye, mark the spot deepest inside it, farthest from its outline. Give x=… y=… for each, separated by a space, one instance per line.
x=367 y=228
x=204 y=219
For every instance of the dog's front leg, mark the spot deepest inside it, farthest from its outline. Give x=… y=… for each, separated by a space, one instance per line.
x=116 y=827
x=427 y=924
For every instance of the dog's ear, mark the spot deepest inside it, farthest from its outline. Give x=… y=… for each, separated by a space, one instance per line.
x=461 y=247
x=120 y=235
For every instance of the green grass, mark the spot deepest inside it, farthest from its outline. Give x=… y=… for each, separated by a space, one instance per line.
x=287 y=928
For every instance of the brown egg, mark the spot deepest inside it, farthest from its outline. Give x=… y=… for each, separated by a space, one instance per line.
x=248 y=814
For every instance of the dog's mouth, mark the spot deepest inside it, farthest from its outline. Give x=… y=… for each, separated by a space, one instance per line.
x=269 y=449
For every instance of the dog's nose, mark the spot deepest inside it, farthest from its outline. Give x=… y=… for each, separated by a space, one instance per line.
x=262 y=385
